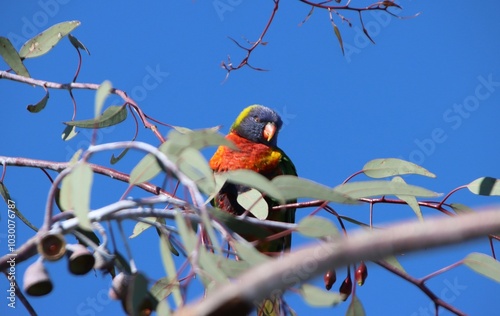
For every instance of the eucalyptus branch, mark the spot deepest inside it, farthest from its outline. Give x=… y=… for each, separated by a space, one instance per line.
x=21 y=296
x=84 y=86
x=28 y=249
x=59 y=166
x=47 y=222
x=376 y=6
x=382 y=5
x=420 y=283
x=133 y=209
x=244 y=62
x=275 y=276
x=164 y=161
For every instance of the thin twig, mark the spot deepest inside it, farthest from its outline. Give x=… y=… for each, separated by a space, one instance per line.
x=274 y=276
x=84 y=86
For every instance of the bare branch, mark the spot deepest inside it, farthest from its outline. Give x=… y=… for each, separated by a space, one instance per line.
x=59 y=166
x=275 y=276
x=244 y=62
x=84 y=86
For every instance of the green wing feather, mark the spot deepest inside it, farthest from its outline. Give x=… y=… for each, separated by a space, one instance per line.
x=288 y=168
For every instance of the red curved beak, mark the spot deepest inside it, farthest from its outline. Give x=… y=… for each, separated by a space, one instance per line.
x=269 y=131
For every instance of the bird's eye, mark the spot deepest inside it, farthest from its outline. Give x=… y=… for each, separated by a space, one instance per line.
x=256 y=119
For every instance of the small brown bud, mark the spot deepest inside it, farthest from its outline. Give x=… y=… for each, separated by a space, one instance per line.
x=330 y=277
x=346 y=287
x=361 y=273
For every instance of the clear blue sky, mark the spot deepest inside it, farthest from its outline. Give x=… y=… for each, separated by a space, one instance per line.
x=428 y=91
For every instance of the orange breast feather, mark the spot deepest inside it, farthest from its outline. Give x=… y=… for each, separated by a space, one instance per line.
x=254 y=156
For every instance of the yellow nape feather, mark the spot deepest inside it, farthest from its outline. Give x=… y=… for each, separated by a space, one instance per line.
x=242 y=115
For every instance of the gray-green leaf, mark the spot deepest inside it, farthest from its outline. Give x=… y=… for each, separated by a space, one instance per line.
x=113 y=115
x=362 y=189
x=317 y=297
x=100 y=96
x=253 y=201
x=69 y=132
x=77 y=44
x=388 y=167
x=410 y=200
x=485 y=186
x=46 y=40
x=75 y=193
x=141 y=227
x=355 y=308
x=40 y=105
x=292 y=187
x=317 y=227
x=171 y=271
x=460 y=208
x=7 y=198
x=12 y=58
x=483 y=264
x=254 y=180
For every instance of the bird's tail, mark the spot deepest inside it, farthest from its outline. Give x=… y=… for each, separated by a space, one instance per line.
x=270 y=307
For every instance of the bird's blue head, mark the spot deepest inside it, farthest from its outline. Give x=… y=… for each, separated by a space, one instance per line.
x=259 y=124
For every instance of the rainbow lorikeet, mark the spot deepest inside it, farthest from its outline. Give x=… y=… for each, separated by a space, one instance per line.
x=255 y=133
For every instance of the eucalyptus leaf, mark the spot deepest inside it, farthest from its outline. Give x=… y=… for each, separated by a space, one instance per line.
x=393 y=261
x=220 y=179
x=194 y=165
x=232 y=268
x=317 y=227
x=137 y=293
x=461 y=209
x=339 y=37
x=100 y=96
x=122 y=263
x=163 y=309
x=197 y=139
x=239 y=225
x=162 y=288
x=76 y=156
x=40 y=105
x=146 y=169
x=188 y=236
x=292 y=187
x=113 y=115
x=171 y=271
x=483 y=264
x=363 y=189
x=12 y=58
x=69 y=132
x=388 y=167
x=253 y=201
x=81 y=182
x=12 y=206
x=254 y=180
x=355 y=308
x=77 y=44
x=141 y=227
x=352 y=220
x=208 y=262
x=410 y=200
x=249 y=254
x=75 y=193
x=114 y=159
x=46 y=40
x=317 y=297
x=485 y=186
